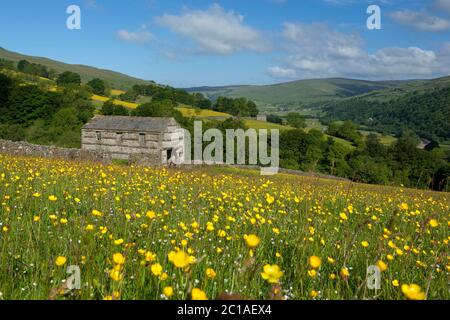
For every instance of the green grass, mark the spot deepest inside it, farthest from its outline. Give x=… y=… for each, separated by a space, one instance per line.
x=387 y=140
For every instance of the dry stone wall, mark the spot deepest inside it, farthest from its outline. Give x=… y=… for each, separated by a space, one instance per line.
x=27 y=149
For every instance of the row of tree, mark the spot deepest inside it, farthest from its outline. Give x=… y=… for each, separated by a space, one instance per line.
x=241 y=107
x=160 y=93
x=370 y=162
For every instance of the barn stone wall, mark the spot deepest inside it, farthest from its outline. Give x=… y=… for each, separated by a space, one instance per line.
x=136 y=147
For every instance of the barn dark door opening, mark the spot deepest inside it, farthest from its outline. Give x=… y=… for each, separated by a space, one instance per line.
x=169 y=154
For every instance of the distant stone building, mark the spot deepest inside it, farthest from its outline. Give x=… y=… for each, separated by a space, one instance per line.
x=261 y=117
x=136 y=139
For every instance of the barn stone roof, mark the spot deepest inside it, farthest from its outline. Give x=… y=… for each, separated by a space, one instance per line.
x=127 y=124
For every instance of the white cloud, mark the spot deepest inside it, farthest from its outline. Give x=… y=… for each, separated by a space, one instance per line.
x=140 y=36
x=317 y=51
x=281 y=73
x=215 y=30
x=420 y=20
x=442 y=5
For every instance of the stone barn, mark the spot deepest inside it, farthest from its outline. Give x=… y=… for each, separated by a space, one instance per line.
x=136 y=139
x=261 y=117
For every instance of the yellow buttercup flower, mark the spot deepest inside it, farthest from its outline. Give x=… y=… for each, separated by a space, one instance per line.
x=156 y=269
x=381 y=265
x=60 y=261
x=345 y=273
x=365 y=244
x=252 y=241
x=52 y=198
x=343 y=216
x=96 y=213
x=118 y=258
x=413 y=292
x=315 y=262
x=271 y=273
x=433 y=223
x=116 y=274
x=198 y=294
x=312 y=273
x=168 y=292
x=179 y=259
x=270 y=199
x=150 y=215
x=210 y=273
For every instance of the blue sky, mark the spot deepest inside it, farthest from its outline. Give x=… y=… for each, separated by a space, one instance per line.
x=193 y=43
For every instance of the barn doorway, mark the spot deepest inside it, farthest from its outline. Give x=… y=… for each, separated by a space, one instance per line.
x=169 y=154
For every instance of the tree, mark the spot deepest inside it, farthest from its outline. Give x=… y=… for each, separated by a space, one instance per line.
x=107 y=108
x=296 y=120
x=237 y=107
x=119 y=110
x=346 y=130
x=33 y=69
x=68 y=78
x=273 y=118
x=6 y=84
x=374 y=148
x=162 y=108
x=432 y=145
x=98 y=86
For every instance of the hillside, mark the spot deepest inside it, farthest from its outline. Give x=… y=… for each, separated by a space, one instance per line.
x=426 y=113
x=414 y=86
x=87 y=73
x=305 y=94
x=298 y=94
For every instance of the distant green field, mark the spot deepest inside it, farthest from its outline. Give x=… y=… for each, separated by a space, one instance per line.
x=255 y=124
x=384 y=139
x=200 y=113
x=315 y=124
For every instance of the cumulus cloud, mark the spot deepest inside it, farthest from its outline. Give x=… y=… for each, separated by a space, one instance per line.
x=215 y=30
x=316 y=51
x=420 y=20
x=281 y=73
x=140 y=36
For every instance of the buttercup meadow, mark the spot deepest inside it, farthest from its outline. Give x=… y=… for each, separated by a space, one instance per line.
x=157 y=233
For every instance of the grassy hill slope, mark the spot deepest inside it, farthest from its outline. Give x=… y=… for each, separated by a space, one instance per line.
x=87 y=73
x=300 y=93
